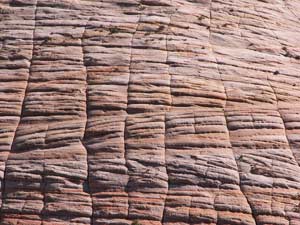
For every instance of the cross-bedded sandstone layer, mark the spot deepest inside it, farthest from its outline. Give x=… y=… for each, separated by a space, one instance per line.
x=150 y=112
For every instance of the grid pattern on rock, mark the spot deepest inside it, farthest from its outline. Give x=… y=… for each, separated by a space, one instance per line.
x=150 y=111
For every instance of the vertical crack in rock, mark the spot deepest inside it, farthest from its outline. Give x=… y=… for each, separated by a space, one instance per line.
x=107 y=46
x=130 y=63
x=43 y=189
x=283 y=122
x=87 y=182
x=145 y=123
x=277 y=103
x=166 y=166
x=213 y=53
x=225 y=106
x=125 y=135
x=265 y=152
x=128 y=112
x=3 y=183
x=278 y=110
x=125 y=156
x=165 y=116
x=167 y=58
x=239 y=172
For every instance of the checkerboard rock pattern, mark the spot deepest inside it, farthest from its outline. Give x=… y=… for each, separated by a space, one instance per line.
x=151 y=112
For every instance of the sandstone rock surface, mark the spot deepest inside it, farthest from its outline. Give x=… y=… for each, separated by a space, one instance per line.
x=150 y=112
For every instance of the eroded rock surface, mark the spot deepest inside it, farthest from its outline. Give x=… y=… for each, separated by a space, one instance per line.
x=150 y=112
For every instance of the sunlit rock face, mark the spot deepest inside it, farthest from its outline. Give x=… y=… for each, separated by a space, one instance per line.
x=150 y=112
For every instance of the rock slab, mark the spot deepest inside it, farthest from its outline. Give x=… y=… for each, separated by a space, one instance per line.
x=150 y=112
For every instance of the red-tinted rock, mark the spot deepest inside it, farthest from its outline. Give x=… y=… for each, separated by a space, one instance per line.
x=149 y=112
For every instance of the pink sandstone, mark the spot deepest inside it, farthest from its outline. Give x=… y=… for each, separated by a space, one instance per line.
x=150 y=112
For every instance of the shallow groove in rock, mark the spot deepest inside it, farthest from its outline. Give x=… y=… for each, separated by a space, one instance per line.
x=22 y=109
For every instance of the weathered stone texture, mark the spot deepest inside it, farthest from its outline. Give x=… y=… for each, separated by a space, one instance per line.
x=150 y=112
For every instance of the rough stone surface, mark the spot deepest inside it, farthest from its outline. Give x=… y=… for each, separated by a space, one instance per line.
x=150 y=112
